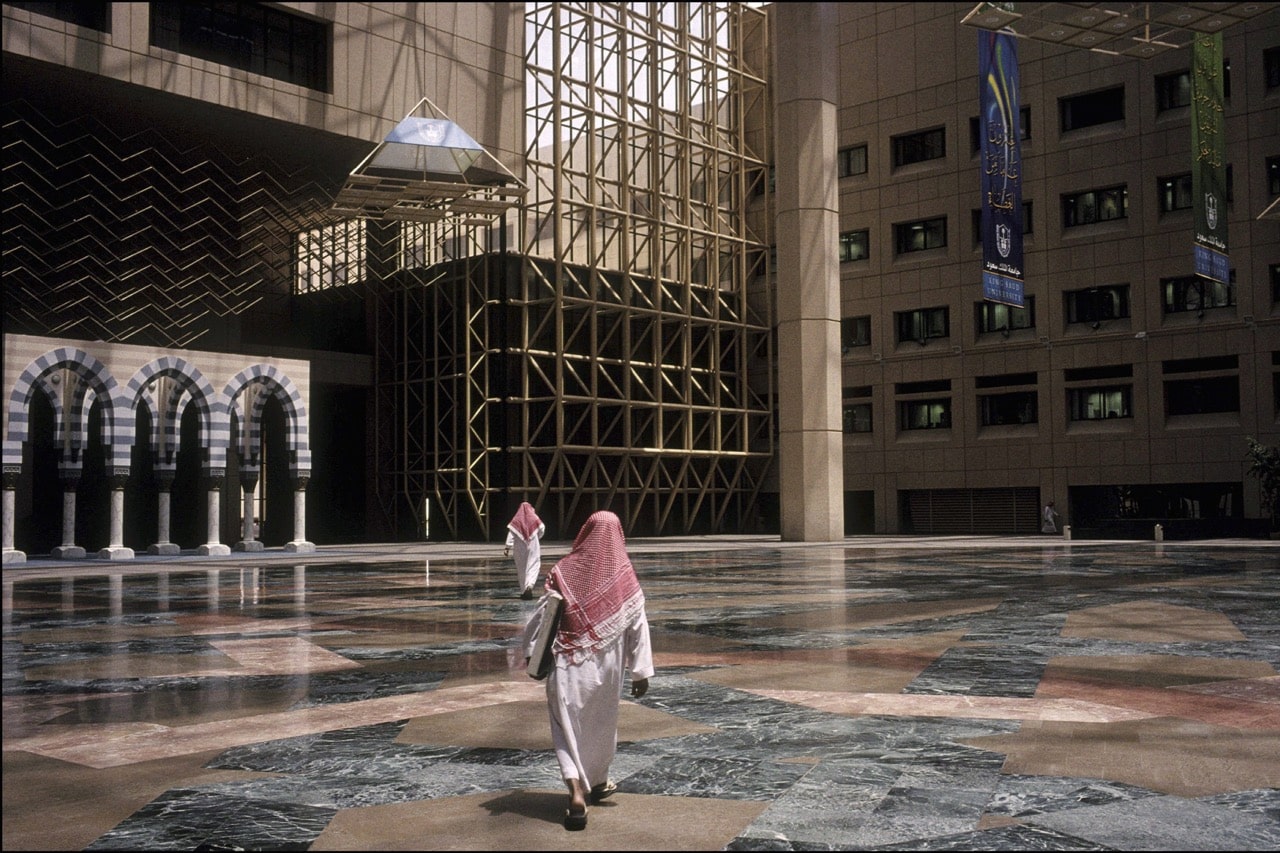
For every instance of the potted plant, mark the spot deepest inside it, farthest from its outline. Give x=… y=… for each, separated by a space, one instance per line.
x=1264 y=465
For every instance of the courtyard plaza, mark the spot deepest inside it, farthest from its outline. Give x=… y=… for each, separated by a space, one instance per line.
x=876 y=693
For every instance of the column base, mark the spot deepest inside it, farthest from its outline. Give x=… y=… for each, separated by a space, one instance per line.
x=116 y=552
x=249 y=545
x=164 y=549
x=300 y=546
x=68 y=552
x=12 y=556
x=215 y=549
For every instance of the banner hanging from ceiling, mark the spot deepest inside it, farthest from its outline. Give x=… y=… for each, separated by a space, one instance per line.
x=1001 y=137
x=1209 y=166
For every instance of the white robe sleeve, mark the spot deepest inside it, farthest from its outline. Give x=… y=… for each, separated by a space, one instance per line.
x=638 y=653
x=530 y=635
x=511 y=534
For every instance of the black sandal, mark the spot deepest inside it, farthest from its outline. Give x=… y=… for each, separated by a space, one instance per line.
x=574 y=822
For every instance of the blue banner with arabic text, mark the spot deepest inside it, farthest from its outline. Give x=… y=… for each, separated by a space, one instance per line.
x=1000 y=128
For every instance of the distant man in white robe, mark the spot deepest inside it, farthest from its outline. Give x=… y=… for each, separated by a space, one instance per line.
x=524 y=537
x=603 y=632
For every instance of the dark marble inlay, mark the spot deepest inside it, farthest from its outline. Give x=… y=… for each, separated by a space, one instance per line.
x=186 y=819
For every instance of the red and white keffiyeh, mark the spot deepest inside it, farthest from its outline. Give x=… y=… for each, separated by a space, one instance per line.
x=525 y=524
x=601 y=592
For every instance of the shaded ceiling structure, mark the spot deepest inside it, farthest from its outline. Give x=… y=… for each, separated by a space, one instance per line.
x=1140 y=30
x=426 y=170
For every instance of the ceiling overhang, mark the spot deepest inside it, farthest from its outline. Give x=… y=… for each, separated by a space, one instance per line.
x=1140 y=30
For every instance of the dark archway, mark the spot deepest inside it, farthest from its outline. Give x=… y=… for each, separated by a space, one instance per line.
x=141 y=511
x=187 y=519
x=39 y=529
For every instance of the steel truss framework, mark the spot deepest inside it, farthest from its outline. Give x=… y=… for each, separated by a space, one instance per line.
x=618 y=353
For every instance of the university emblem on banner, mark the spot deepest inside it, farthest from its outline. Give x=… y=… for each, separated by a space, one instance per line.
x=1211 y=210
x=1004 y=240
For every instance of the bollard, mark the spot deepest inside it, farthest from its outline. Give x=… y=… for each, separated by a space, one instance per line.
x=1159 y=532
x=1066 y=531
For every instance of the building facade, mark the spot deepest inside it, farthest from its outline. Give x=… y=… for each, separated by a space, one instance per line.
x=742 y=292
x=1126 y=388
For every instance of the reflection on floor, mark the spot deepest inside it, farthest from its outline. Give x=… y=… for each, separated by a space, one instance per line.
x=903 y=695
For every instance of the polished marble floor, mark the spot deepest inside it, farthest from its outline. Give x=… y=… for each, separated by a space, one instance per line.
x=882 y=693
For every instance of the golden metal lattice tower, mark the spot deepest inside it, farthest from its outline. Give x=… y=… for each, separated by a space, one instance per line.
x=644 y=371
x=609 y=347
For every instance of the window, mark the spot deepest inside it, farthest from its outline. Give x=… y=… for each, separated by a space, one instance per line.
x=1173 y=90
x=854 y=332
x=1273 y=175
x=1215 y=387
x=1103 y=398
x=1091 y=109
x=855 y=245
x=925 y=414
x=1175 y=193
x=996 y=317
x=1274 y=271
x=1094 y=404
x=1006 y=403
x=852 y=160
x=249 y=36
x=976 y=213
x=1011 y=407
x=1095 y=304
x=331 y=256
x=855 y=411
x=918 y=147
x=1092 y=206
x=920 y=326
x=929 y=410
x=95 y=16
x=1193 y=293
x=975 y=128
x=1271 y=67
x=918 y=236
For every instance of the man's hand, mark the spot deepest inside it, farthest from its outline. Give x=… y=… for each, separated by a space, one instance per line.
x=506 y=552
x=639 y=687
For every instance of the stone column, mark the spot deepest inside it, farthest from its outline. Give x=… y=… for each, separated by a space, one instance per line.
x=116 y=550
x=810 y=436
x=248 y=542
x=69 y=550
x=10 y=482
x=214 y=546
x=162 y=545
x=299 y=543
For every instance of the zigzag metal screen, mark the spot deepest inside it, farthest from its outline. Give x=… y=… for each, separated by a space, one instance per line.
x=133 y=238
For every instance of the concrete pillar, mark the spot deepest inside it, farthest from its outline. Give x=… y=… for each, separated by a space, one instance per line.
x=811 y=441
x=299 y=542
x=8 y=509
x=214 y=546
x=116 y=549
x=162 y=544
x=69 y=550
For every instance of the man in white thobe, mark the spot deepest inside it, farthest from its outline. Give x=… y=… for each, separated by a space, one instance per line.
x=603 y=632
x=524 y=537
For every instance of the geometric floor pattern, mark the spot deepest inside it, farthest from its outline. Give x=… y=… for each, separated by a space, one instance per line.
x=880 y=693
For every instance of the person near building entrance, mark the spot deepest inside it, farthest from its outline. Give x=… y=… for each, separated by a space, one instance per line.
x=1049 y=519
x=603 y=633
x=524 y=537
